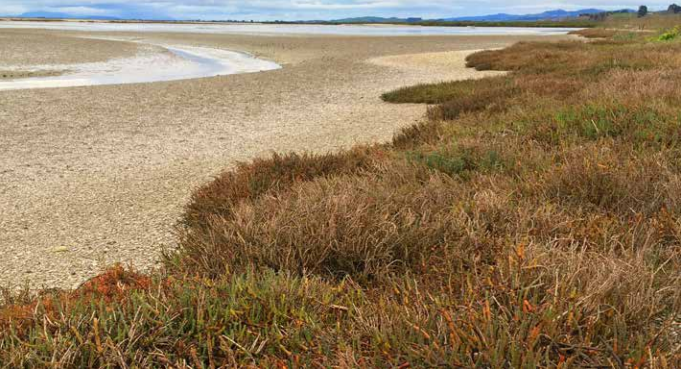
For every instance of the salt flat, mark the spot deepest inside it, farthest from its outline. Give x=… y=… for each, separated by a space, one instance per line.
x=99 y=174
x=151 y=63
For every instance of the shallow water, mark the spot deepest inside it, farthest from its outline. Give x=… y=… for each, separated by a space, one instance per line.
x=270 y=29
x=178 y=63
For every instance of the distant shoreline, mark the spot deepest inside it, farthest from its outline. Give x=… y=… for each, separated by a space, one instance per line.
x=280 y=29
x=501 y=24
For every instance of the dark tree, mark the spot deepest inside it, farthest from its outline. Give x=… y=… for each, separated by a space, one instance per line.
x=674 y=9
x=642 y=11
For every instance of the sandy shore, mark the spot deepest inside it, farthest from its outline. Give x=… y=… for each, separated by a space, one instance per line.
x=31 y=48
x=95 y=175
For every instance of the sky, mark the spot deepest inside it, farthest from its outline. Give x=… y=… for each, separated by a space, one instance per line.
x=268 y=10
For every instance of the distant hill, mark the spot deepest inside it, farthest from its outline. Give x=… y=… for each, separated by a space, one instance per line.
x=558 y=14
x=548 y=15
x=56 y=15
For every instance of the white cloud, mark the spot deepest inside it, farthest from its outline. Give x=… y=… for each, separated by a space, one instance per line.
x=10 y=9
x=82 y=10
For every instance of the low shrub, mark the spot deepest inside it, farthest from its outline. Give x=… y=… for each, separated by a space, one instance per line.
x=249 y=181
x=427 y=132
x=613 y=180
x=364 y=227
x=447 y=91
x=460 y=162
x=670 y=35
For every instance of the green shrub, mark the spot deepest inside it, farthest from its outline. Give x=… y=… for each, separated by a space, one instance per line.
x=459 y=161
x=670 y=35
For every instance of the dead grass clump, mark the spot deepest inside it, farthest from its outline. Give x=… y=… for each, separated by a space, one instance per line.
x=593 y=276
x=634 y=123
x=447 y=91
x=621 y=181
x=492 y=100
x=426 y=132
x=577 y=60
x=541 y=87
x=364 y=227
x=278 y=173
x=638 y=86
x=455 y=98
x=529 y=57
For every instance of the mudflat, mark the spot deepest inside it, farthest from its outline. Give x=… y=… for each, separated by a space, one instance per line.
x=94 y=175
x=29 y=48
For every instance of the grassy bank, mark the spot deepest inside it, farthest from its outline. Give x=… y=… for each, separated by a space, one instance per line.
x=531 y=220
x=651 y=22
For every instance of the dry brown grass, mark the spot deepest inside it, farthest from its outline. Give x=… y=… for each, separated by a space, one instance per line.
x=252 y=180
x=595 y=33
x=492 y=96
x=362 y=226
x=449 y=91
x=650 y=23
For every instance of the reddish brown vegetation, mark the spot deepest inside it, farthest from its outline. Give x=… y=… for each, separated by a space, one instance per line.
x=113 y=285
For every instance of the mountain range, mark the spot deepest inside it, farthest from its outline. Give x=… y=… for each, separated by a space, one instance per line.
x=55 y=15
x=501 y=17
x=548 y=15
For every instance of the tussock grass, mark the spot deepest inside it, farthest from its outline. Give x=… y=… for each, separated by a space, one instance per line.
x=532 y=220
x=278 y=173
x=449 y=91
x=456 y=98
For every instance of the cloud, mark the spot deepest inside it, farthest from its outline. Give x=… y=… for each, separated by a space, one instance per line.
x=302 y=9
x=81 y=10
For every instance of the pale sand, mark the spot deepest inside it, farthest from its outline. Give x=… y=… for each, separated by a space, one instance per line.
x=33 y=47
x=95 y=175
x=428 y=65
x=41 y=47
